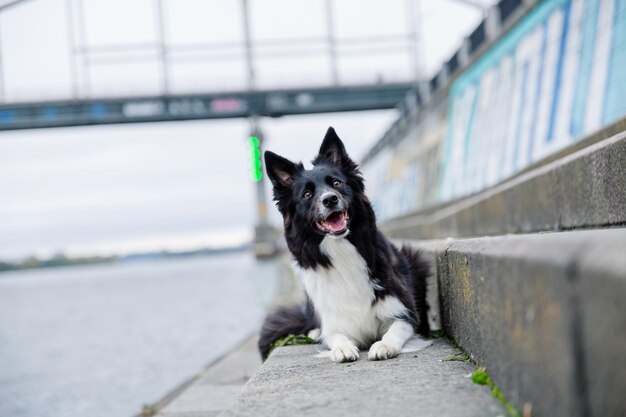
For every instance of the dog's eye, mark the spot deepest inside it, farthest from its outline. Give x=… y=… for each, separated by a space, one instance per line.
x=307 y=195
x=336 y=183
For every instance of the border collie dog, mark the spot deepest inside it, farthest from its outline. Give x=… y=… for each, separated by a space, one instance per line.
x=361 y=291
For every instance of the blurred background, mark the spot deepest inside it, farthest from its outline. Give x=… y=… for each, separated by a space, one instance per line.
x=123 y=188
x=125 y=147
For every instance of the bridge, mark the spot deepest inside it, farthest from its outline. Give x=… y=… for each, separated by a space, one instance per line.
x=165 y=95
x=271 y=103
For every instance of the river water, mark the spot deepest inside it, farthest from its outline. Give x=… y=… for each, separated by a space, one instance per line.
x=103 y=340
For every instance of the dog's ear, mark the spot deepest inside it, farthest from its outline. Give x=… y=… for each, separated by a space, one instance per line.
x=332 y=149
x=280 y=170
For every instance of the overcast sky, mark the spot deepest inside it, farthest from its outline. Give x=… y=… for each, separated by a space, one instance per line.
x=178 y=185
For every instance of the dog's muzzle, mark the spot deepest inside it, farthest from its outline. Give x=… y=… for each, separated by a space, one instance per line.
x=334 y=214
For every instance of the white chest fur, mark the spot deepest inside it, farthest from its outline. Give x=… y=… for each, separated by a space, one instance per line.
x=342 y=294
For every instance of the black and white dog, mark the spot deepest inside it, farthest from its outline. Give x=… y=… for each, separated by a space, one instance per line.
x=361 y=290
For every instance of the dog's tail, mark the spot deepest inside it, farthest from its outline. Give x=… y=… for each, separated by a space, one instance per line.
x=285 y=321
x=420 y=269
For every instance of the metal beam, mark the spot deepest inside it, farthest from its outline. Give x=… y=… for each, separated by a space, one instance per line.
x=159 y=23
x=332 y=42
x=271 y=103
x=5 y=4
x=245 y=10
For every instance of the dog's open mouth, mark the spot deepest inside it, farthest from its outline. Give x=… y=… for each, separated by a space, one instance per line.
x=335 y=224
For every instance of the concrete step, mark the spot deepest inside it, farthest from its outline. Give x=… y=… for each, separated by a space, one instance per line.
x=295 y=381
x=586 y=189
x=544 y=313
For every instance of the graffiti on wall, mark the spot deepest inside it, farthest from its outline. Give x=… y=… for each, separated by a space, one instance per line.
x=406 y=177
x=557 y=76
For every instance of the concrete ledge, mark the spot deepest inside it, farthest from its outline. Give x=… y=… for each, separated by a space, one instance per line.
x=294 y=382
x=544 y=313
x=601 y=281
x=215 y=388
x=582 y=190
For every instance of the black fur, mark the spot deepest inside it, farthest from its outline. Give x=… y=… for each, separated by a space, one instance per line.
x=398 y=272
x=285 y=321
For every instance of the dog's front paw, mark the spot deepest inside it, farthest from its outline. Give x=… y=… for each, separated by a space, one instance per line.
x=345 y=352
x=315 y=334
x=381 y=351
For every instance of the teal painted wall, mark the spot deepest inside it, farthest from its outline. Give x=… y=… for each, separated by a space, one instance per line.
x=554 y=78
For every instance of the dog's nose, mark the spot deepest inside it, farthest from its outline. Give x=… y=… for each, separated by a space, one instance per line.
x=330 y=200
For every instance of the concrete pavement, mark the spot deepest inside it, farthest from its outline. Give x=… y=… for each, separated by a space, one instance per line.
x=295 y=381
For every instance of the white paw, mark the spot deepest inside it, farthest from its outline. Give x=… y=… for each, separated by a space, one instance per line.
x=315 y=334
x=381 y=351
x=345 y=352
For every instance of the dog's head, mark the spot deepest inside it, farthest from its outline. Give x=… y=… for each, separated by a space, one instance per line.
x=321 y=201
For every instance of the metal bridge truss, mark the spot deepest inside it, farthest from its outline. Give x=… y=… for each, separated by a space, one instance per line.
x=80 y=107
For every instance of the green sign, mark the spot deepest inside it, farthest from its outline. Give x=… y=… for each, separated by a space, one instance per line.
x=254 y=155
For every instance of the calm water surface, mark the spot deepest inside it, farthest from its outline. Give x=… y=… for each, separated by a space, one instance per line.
x=103 y=340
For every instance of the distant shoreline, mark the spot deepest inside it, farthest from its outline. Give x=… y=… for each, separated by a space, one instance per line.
x=61 y=260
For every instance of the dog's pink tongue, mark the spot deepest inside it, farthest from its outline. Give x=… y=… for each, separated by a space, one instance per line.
x=336 y=223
